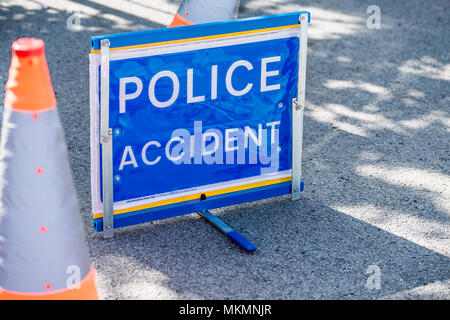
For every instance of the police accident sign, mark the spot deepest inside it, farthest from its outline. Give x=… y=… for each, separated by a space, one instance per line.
x=196 y=112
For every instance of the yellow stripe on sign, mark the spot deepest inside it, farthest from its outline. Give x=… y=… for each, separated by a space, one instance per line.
x=217 y=36
x=197 y=196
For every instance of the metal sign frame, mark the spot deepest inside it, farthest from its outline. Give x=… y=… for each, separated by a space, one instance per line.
x=294 y=186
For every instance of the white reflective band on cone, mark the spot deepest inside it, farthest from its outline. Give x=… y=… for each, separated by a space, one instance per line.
x=202 y=11
x=42 y=241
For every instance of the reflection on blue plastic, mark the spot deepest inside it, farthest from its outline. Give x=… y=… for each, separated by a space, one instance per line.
x=178 y=112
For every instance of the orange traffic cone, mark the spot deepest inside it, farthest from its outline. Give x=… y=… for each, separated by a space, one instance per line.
x=202 y=11
x=43 y=253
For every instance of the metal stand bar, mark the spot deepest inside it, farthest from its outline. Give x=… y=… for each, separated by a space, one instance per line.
x=298 y=105
x=226 y=229
x=106 y=141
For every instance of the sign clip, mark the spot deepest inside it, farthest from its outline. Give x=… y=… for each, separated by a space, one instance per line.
x=296 y=104
x=107 y=138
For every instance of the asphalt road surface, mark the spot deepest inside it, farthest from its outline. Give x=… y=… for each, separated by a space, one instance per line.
x=376 y=160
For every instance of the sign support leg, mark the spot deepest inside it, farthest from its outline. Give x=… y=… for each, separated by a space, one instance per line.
x=226 y=229
x=298 y=105
x=106 y=142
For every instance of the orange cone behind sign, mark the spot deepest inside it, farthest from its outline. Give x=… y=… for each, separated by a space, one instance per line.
x=43 y=253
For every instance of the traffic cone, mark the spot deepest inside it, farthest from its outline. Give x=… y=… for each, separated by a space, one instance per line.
x=43 y=253
x=202 y=11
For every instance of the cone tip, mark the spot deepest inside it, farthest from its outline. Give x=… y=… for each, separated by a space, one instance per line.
x=25 y=47
x=29 y=88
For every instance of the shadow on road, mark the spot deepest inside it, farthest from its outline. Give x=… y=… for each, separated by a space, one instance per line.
x=305 y=251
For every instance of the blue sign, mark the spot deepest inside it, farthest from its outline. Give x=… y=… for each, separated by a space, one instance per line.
x=201 y=117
